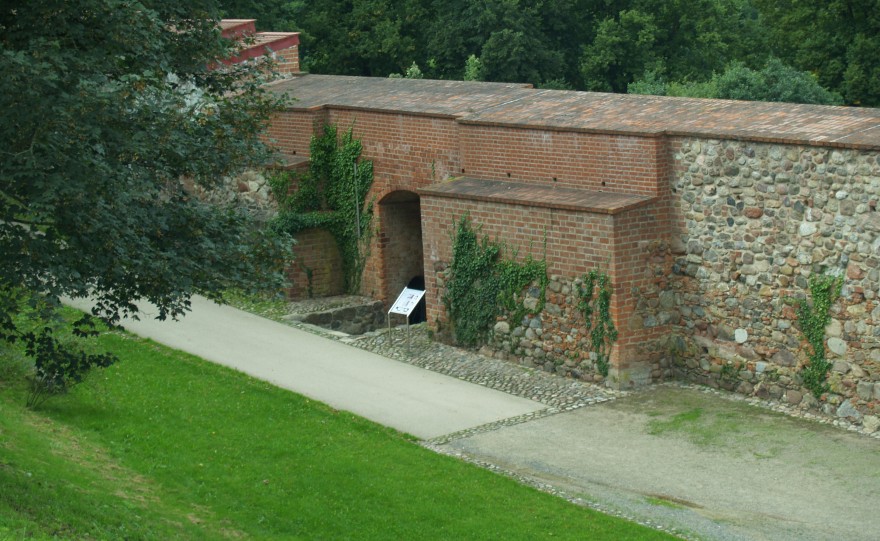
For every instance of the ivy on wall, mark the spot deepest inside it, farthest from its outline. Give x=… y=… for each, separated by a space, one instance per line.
x=482 y=285
x=594 y=303
x=813 y=316
x=332 y=195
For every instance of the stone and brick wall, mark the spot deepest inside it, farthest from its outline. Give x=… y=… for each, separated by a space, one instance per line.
x=735 y=205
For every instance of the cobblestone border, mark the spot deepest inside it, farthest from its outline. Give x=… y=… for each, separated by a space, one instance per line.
x=557 y=393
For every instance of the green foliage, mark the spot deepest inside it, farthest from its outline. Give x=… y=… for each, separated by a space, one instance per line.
x=774 y=82
x=813 y=316
x=836 y=40
x=481 y=285
x=106 y=105
x=332 y=196
x=556 y=84
x=473 y=69
x=584 y=44
x=412 y=72
x=624 y=47
x=519 y=56
x=594 y=303
x=57 y=366
x=652 y=82
x=60 y=360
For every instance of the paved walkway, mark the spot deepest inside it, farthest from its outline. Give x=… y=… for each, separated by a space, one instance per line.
x=416 y=401
x=697 y=462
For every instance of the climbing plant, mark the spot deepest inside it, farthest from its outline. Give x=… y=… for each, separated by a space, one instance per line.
x=482 y=285
x=813 y=316
x=332 y=195
x=594 y=303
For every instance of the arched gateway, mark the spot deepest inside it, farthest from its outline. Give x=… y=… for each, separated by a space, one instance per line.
x=400 y=243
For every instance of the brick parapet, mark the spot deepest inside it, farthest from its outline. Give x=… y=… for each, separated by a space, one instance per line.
x=512 y=106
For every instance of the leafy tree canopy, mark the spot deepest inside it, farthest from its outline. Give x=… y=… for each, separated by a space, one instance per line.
x=774 y=82
x=585 y=44
x=837 y=40
x=106 y=105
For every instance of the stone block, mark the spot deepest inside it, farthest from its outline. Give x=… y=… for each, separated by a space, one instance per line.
x=871 y=423
x=865 y=390
x=837 y=346
x=846 y=410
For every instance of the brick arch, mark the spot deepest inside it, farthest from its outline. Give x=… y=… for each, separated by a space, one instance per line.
x=400 y=241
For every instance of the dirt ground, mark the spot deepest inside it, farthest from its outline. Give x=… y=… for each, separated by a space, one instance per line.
x=700 y=465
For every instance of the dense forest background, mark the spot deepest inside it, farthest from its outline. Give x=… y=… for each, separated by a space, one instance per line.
x=811 y=51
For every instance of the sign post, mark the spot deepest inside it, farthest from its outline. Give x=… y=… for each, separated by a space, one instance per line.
x=404 y=305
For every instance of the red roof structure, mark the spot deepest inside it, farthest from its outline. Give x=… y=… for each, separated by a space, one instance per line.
x=282 y=46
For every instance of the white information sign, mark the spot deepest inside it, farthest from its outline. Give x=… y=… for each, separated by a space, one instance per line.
x=406 y=301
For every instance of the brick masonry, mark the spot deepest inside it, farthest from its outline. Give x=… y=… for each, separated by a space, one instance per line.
x=737 y=203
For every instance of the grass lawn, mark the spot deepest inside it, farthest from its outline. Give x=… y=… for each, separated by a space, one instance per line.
x=163 y=445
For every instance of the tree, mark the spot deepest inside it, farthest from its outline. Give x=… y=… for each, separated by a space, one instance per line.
x=678 y=40
x=271 y=15
x=836 y=40
x=623 y=49
x=106 y=105
x=357 y=37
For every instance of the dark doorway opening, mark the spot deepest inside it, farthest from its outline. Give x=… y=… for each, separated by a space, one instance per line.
x=420 y=313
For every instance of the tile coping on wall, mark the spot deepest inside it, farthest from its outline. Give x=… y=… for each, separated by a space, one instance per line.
x=536 y=195
x=517 y=106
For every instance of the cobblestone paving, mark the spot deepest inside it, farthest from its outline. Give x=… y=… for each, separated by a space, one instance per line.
x=415 y=347
x=558 y=394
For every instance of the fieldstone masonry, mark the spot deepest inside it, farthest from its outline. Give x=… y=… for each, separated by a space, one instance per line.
x=555 y=339
x=756 y=220
x=249 y=190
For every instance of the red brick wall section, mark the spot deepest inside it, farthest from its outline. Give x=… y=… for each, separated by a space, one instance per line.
x=291 y=131
x=287 y=60
x=642 y=308
x=315 y=253
x=408 y=152
x=576 y=242
x=597 y=162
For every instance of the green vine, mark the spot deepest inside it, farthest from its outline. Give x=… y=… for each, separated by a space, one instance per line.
x=597 y=316
x=332 y=195
x=481 y=285
x=813 y=316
